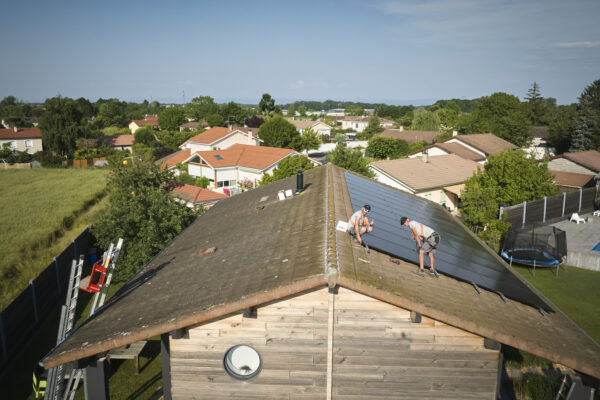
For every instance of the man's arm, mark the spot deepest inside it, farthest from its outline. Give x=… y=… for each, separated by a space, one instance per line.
x=357 y=230
x=415 y=236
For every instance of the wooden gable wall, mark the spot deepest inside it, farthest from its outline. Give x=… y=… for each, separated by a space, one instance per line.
x=377 y=352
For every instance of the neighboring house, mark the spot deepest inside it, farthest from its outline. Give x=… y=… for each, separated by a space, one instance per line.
x=359 y=124
x=411 y=136
x=22 y=139
x=582 y=162
x=193 y=126
x=572 y=181
x=148 y=120
x=118 y=142
x=220 y=138
x=336 y=112
x=436 y=178
x=194 y=196
x=261 y=298
x=229 y=169
x=477 y=147
x=320 y=128
x=539 y=148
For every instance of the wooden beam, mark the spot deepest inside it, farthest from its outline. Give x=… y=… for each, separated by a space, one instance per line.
x=165 y=352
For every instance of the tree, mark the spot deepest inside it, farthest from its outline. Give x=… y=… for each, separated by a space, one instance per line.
x=502 y=115
x=278 y=132
x=424 y=120
x=302 y=111
x=372 y=129
x=586 y=132
x=215 y=120
x=201 y=107
x=171 y=117
x=111 y=113
x=354 y=110
x=61 y=125
x=535 y=104
x=266 y=104
x=173 y=139
x=291 y=112
x=142 y=212
x=232 y=113
x=560 y=130
x=350 y=159
x=145 y=136
x=509 y=177
x=202 y=182
x=309 y=140
x=287 y=167
x=381 y=148
x=254 y=122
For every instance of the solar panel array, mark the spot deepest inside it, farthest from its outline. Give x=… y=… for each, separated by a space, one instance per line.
x=459 y=254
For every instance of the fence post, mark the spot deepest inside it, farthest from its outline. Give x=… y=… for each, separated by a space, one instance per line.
x=3 y=338
x=545 y=209
x=564 y=201
x=57 y=269
x=580 y=196
x=524 y=212
x=35 y=310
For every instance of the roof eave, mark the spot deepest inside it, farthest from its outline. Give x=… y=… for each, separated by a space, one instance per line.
x=53 y=360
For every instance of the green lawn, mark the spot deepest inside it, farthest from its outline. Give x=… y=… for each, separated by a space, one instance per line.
x=575 y=291
x=42 y=211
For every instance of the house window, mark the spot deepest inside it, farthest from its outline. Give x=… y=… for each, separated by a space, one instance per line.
x=226 y=183
x=28 y=143
x=13 y=144
x=242 y=362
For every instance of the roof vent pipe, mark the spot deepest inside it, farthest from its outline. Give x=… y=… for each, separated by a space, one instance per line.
x=299 y=181
x=425 y=156
x=15 y=129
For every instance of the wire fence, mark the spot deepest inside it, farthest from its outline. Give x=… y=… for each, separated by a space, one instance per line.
x=21 y=318
x=551 y=209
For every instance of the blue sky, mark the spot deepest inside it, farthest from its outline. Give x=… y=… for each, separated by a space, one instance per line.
x=398 y=52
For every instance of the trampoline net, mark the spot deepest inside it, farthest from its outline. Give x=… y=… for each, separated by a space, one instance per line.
x=540 y=243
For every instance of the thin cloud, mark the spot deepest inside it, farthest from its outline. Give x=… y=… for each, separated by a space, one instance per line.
x=577 y=45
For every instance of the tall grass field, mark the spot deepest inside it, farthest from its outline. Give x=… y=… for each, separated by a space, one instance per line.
x=41 y=211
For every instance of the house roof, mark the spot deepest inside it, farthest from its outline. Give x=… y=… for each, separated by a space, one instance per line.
x=589 y=159
x=298 y=252
x=572 y=179
x=304 y=123
x=459 y=150
x=195 y=194
x=540 y=132
x=217 y=133
x=148 y=120
x=191 y=125
x=411 y=136
x=22 y=133
x=438 y=172
x=366 y=119
x=175 y=158
x=486 y=142
x=117 y=140
x=243 y=155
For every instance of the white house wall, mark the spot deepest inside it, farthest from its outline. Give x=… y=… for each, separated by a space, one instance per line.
x=30 y=145
x=237 y=138
x=433 y=151
x=198 y=170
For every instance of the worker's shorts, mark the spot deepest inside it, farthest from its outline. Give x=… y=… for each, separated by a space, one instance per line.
x=352 y=231
x=430 y=244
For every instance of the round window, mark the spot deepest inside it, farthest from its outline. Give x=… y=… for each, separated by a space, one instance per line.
x=242 y=362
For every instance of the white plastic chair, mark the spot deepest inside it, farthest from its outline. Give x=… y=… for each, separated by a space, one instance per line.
x=576 y=218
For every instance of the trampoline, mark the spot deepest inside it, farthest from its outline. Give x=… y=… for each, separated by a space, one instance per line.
x=539 y=245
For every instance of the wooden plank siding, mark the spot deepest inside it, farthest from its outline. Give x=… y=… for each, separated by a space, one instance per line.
x=291 y=337
x=377 y=353
x=380 y=354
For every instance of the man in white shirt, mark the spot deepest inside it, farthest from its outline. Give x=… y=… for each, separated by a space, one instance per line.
x=358 y=224
x=427 y=242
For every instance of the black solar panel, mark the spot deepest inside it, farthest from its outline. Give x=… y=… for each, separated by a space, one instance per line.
x=459 y=254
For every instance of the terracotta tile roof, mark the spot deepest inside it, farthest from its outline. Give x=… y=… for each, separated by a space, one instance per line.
x=486 y=142
x=195 y=194
x=572 y=179
x=148 y=120
x=243 y=155
x=190 y=125
x=117 y=140
x=182 y=286
x=460 y=150
x=214 y=134
x=365 y=119
x=175 y=158
x=303 y=123
x=438 y=172
x=411 y=136
x=589 y=159
x=22 y=133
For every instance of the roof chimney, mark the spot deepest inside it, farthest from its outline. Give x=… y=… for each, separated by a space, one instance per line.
x=401 y=128
x=454 y=133
x=229 y=127
x=15 y=129
x=425 y=156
